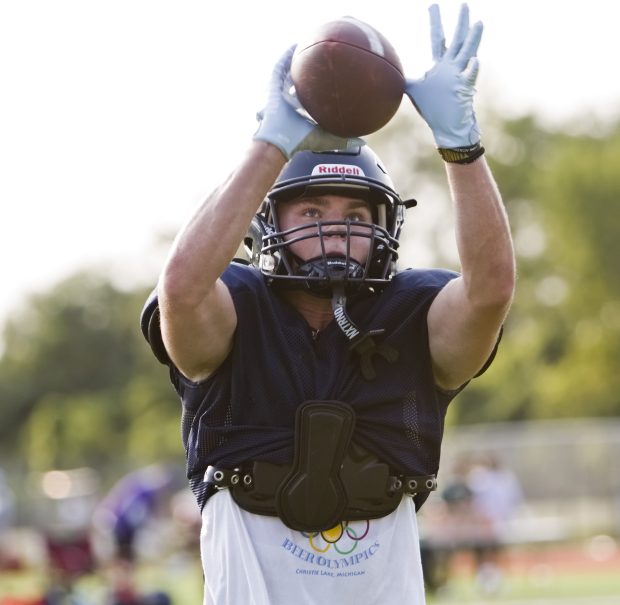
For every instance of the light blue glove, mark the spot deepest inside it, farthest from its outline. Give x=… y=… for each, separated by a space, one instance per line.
x=284 y=123
x=444 y=96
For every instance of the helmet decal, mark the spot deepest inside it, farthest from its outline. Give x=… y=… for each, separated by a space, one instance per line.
x=348 y=169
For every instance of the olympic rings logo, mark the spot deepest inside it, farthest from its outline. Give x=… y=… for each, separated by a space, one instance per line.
x=342 y=537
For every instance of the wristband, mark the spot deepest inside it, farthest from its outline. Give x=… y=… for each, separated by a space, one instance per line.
x=461 y=155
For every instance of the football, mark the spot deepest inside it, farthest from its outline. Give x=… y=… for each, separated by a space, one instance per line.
x=348 y=77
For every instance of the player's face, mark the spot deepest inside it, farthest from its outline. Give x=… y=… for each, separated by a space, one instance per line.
x=328 y=207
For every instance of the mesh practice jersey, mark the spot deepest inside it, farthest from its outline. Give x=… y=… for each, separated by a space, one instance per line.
x=245 y=410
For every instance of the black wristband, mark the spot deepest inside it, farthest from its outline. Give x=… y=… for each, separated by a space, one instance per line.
x=461 y=155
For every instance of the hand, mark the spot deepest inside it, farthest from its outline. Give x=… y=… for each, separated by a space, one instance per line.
x=282 y=121
x=444 y=96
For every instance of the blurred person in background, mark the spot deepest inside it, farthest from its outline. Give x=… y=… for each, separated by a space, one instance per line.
x=132 y=506
x=7 y=518
x=453 y=525
x=497 y=496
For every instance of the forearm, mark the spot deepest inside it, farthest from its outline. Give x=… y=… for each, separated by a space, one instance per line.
x=208 y=242
x=482 y=234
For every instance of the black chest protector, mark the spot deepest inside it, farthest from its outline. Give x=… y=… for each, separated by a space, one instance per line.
x=331 y=479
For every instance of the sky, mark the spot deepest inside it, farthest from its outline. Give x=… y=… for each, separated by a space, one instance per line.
x=118 y=117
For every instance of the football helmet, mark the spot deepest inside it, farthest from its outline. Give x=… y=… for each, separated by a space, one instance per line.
x=356 y=173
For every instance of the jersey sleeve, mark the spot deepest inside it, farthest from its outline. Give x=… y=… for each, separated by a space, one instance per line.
x=151 y=329
x=235 y=277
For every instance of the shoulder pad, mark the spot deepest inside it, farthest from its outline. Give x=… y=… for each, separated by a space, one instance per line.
x=151 y=330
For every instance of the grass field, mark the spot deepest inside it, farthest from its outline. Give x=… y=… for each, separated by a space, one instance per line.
x=182 y=581
x=587 y=588
x=543 y=577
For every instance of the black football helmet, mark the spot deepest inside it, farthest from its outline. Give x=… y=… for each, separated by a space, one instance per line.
x=356 y=173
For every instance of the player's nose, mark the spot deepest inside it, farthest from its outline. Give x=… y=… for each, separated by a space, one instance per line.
x=339 y=229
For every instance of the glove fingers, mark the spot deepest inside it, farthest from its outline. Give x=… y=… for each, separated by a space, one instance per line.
x=470 y=73
x=460 y=34
x=283 y=66
x=289 y=93
x=470 y=46
x=438 y=39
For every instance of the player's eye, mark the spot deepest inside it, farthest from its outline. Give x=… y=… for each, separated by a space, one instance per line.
x=311 y=212
x=359 y=216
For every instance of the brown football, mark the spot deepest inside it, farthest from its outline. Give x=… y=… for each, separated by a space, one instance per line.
x=348 y=77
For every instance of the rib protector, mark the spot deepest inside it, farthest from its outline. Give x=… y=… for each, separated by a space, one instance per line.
x=312 y=494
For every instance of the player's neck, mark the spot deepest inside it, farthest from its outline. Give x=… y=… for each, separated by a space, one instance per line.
x=316 y=311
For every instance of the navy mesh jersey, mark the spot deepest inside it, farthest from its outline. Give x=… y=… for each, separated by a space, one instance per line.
x=245 y=410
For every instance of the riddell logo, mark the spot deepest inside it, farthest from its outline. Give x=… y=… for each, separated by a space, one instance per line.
x=338 y=169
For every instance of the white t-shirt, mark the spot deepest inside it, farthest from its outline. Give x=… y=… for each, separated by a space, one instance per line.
x=253 y=559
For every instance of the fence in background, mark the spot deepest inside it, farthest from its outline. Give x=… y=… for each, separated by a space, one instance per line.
x=569 y=470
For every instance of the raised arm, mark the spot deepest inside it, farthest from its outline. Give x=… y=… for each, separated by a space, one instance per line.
x=465 y=318
x=198 y=318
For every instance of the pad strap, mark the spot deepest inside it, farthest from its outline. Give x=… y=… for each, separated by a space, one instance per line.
x=263 y=475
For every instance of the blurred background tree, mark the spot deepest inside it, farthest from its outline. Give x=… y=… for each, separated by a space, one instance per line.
x=561 y=347
x=79 y=386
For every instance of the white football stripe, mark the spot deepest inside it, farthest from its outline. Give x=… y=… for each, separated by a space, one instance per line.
x=371 y=35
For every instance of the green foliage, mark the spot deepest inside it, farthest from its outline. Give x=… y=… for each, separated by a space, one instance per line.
x=561 y=347
x=78 y=384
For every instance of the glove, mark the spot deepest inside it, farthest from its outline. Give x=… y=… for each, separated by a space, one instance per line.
x=284 y=123
x=444 y=96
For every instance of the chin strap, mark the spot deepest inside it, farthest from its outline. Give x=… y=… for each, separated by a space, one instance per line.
x=362 y=343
